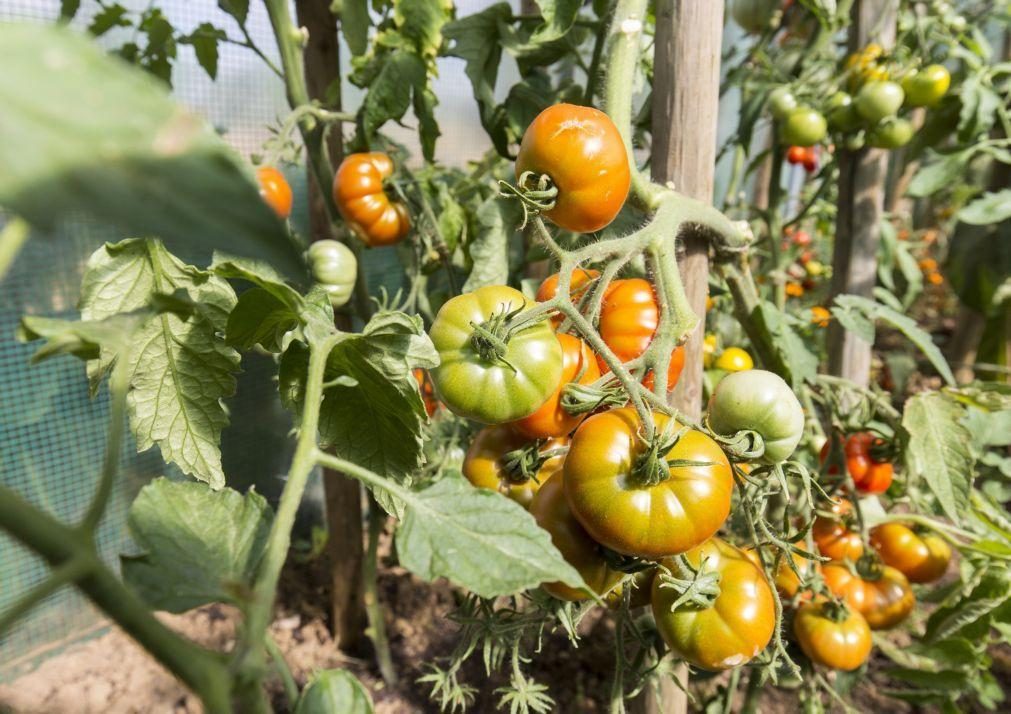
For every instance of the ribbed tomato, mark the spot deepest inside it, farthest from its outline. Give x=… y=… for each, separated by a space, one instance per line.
x=487 y=464
x=884 y=597
x=787 y=581
x=551 y=419
x=551 y=511
x=358 y=191
x=835 y=537
x=738 y=625
x=582 y=151
x=579 y=283
x=922 y=558
x=610 y=492
x=832 y=635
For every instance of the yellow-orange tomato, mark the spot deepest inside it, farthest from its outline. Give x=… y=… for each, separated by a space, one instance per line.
x=363 y=203
x=794 y=289
x=734 y=359
x=884 y=599
x=921 y=558
x=787 y=581
x=274 y=190
x=834 y=537
x=485 y=464
x=582 y=151
x=832 y=635
x=578 y=365
x=551 y=511
x=579 y=283
x=708 y=350
x=820 y=316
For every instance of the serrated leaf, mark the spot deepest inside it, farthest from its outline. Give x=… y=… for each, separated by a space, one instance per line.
x=334 y=690
x=559 y=16
x=181 y=370
x=497 y=219
x=421 y=22
x=854 y=305
x=940 y=680
x=204 y=40
x=238 y=9
x=80 y=339
x=479 y=539
x=198 y=545
x=853 y=320
x=992 y=592
x=938 y=451
x=108 y=17
x=260 y=274
x=126 y=154
x=68 y=9
x=259 y=318
x=992 y=207
x=940 y=172
x=355 y=22
x=790 y=348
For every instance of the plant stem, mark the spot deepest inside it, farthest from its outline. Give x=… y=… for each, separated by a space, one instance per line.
x=287 y=680
x=373 y=608
x=593 y=74
x=119 y=384
x=68 y=573
x=201 y=670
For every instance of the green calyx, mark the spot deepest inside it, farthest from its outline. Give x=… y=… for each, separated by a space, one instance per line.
x=585 y=398
x=521 y=465
x=746 y=445
x=696 y=588
x=651 y=467
x=490 y=338
x=537 y=193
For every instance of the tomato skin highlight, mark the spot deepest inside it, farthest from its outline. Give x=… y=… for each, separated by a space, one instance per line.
x=274 y=190
x=834 y=538
x=760 y=401
x=486 y=391
x=921 y=558
x=844 y=645
x=551 y=419
x=358 y=192
x=551 y=511
x=582 y=151
x=739 y=624
x=924 y=88
x=781 y=102
x=647 y=521
x=484 y=467
x=884 y=601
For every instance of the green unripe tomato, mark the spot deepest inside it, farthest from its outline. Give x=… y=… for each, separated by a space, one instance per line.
x=754 y=16
x=855 y=142
x=804 y=126
x=891 y=133
x=842 y=115
x=877 y=100
x=926 y=87
x=781 y=103
x=757 y=400
x=334 y=267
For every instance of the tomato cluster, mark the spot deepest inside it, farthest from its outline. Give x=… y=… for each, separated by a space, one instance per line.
x=866 y=461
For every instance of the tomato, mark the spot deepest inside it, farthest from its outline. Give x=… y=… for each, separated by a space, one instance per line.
x=738 y=625
x=870 y=473
x=759 y=401
x=579 y=283
x=787 y=581
x=832 y=635
x=820 y=316
x=754 y=16
x=835 y=537
x=781 y=103
x=708 y=350
x=551 y=419
x=884 y=600
x=794 y=289
x=551 y=511
x=811 y=160
x=801 y=239
x=814 y=268
x=842 y=114
x=796 y=154
x=877 y=100
x=629 y=316
x=334 y=267
x=358 y=191
x=641 y=585
x=427 y=391
x=926 y=87
x=890 y=133
x=734 y=359
x=803 y=126
x=274 y=190
x=582 y=151
x=476 y=382
x=486 y=464
x=921 y=558
x=608 y=494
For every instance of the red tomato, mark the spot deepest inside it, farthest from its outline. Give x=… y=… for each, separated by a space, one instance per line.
x=870 y=474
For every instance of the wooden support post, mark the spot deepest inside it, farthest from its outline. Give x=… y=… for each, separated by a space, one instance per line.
x=862 y=177
x=343 y=495
x=686 y=97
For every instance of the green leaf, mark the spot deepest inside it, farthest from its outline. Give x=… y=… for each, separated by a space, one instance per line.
x=479 y=539
x=856 y=305
x=259 y=318
x=68 y=9
x=992 y=207
x=940 y=680
x=260 y=274
x=980 y=104
x=333 y=691
x=421 y=22
x=238 y=9
x=992 y=592
x=939 y=173
x=497 y=220
x=199 y=545
x=182 y=369
x=108 y=17
x=854 y=320
x=559 y=15
x=792 y=351
x=125 y=154
x=355 y=22
x=81 y=339
x=938 y=450
x=204 y=40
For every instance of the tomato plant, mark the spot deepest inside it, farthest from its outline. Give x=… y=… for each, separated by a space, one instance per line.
x=834 y=534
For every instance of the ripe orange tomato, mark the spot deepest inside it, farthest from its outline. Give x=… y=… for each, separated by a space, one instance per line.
x=551 y=419
x=921 y=558
x=884 y=598
x=485 y=463
x=787 y=581
x=737 y=626
x=427 y=391
x=582 y=151
x=794 y=289
x=870 y=474
x=274 y=190
x=834 y=537
x=820 y=316
x=633 y=517
x=629 y=316
x=358 y=192
x=579 y=283
x=796 y=154
x=832 y=635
